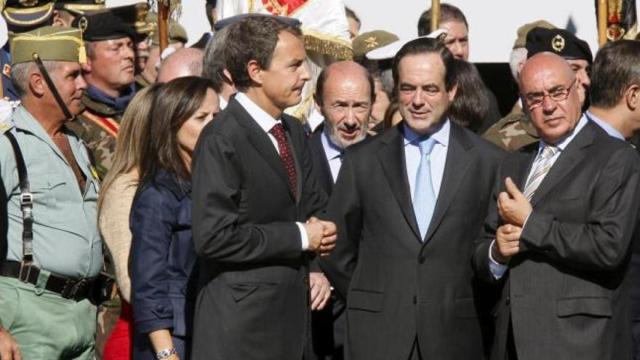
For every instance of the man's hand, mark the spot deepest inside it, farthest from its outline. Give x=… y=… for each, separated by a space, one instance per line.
x=513 y=206
x=507 y=243
x=320 y=290
x=322 y=235
x=8 y=346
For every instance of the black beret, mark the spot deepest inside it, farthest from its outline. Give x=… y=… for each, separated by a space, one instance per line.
x=105 y=26
x=557 y=41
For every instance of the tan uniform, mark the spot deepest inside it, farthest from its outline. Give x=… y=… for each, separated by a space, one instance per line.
x=512 y=131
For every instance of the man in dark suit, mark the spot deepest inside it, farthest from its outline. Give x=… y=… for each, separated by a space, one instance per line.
x=560 y=247
x=345 y=95
x=408 y=205
x=253 y=189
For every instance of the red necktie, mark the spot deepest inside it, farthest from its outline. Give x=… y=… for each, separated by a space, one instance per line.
x=285 y=154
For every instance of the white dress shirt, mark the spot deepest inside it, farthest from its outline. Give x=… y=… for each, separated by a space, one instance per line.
x=438 y=158
x=333 y=154
x=605 y=126
x=497 y=269
x=266 y=122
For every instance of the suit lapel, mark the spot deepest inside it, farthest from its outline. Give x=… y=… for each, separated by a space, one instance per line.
x=456 y=165
x=260 y=141
x=392 y=160
x=572 y=155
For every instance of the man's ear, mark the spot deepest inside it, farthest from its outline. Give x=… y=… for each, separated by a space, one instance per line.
x=37 y=84
x=582 y=94
x=452 y=92
x=632 y=97
x=255 y=71
x=87 y=66
x=57 y=19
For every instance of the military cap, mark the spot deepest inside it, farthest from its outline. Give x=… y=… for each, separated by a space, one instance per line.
x=177 y=33
x=104 y=26
x=26 y=14
x=52 y=43
x=372 y=40
x=80 y=7
x=557 y=41
x=521 y=39
x=134 y=13
x=222 y=23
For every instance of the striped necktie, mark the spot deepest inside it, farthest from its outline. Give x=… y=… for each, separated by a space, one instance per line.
x=541 y=167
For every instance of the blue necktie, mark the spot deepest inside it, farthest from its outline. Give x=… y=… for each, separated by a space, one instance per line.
x=424 y=198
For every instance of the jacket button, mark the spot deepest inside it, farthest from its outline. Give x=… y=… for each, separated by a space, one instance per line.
x=508 y=301
x=422 y=259
x=415 y=300
x=306 y=280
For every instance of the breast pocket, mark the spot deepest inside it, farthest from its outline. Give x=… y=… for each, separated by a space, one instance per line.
x=49 y=195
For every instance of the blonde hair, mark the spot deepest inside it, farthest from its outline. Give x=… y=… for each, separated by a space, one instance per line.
x=132 y=135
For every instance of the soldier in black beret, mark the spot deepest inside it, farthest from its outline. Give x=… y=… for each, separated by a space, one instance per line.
x=563 y=43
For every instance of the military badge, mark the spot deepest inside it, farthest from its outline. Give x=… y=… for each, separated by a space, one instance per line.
x=371 y=42
x=557 y=43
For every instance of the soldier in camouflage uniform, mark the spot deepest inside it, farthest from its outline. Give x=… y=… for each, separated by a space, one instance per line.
x=109 y=73
x=515 y=130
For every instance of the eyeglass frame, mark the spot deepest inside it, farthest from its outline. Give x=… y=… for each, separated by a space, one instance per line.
x=558 y=97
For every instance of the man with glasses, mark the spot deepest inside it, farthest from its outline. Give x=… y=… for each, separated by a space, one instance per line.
x=557 y=238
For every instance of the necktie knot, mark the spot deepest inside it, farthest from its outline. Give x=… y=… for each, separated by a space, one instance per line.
x=426 y=146
x=278 y=131
x=548 y=152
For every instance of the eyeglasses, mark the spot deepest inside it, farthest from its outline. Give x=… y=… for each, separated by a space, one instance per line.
x=557 y=94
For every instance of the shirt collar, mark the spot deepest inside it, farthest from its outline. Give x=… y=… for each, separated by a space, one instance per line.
x=565 y=142
x=441 y=136
x=605 y=126
x=118 y=103
x=264 y=120
x=331 y=149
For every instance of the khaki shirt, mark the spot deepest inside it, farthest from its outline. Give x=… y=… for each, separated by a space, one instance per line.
x=65 y=230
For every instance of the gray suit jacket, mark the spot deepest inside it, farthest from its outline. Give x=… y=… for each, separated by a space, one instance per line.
x=567 y=291
x=398 y=287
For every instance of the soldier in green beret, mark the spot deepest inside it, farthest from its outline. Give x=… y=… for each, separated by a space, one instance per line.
x=54 y=251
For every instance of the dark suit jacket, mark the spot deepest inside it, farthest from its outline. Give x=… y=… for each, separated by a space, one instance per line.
x=254 y=304
x=163 y=275
x=567 y=291
x=398 y=287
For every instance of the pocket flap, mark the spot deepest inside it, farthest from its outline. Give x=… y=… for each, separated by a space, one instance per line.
x=241 y=291
x=365 y=300
x=584 y=306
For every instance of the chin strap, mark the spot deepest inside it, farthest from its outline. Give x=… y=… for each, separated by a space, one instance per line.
x=52 y=87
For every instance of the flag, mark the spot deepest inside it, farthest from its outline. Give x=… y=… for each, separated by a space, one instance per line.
x=622 y=20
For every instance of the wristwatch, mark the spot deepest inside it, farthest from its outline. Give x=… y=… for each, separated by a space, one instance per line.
x=165 y=353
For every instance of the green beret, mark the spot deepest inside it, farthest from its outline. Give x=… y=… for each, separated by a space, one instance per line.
x=523 y=30
x=53 y=43
x=371 y=40
x=177 y=33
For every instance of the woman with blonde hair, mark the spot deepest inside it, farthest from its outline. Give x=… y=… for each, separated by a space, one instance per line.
x=114 y=207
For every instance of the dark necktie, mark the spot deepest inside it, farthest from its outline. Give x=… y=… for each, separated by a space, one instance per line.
x=285 y=154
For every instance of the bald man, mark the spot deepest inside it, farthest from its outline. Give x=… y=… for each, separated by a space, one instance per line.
x=558 y=233
x=344 y=95
x=181 y=63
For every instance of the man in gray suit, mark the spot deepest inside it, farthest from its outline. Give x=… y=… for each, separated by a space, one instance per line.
x=558 y=236
x=408 y=204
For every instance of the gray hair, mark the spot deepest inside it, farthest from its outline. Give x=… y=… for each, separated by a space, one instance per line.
x=20 y=74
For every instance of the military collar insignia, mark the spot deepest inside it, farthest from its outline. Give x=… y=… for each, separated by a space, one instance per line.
x=557 y=43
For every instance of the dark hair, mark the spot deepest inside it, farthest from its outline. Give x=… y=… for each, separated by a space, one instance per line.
x=615 y=68
x=214 y=60
x=351 y=14
x=426 y=46
x=173 y=104
x=253 y=38
x=322 y=79
x=470 y=107
x=447 y=13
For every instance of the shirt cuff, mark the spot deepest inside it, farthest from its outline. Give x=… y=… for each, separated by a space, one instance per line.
x=526 y=219
x=497 y=269
x=303 y=236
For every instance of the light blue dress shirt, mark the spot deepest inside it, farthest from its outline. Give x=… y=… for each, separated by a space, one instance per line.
x=605 y=126
x=333 y=153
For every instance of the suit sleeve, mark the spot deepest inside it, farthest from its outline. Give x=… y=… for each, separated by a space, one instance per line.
x=152 y=220
x=480 y=258
x=217 y=233
x=314 y=198
x=345 y=210
x=602 y=242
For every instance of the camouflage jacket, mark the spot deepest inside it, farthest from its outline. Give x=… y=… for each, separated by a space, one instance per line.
x=512 y=131
x=98 y=126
